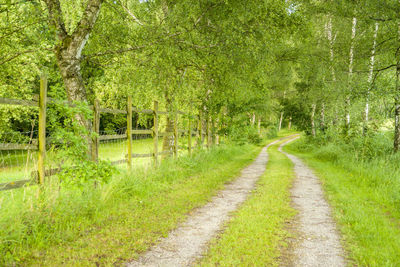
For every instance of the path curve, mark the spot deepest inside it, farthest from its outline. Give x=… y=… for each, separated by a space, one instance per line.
x=319 y=241
x=189 y=241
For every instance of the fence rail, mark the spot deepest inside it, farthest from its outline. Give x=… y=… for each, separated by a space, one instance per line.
x=40 y=101
x=12 y=146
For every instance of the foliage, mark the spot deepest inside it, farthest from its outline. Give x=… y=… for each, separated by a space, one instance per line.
x=244 y=135
x=87 y=171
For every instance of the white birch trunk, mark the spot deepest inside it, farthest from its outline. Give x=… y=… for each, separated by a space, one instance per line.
x=370 y=75
x=280 y=121
x=331 y=39
x=351 y=63
x=312 y=119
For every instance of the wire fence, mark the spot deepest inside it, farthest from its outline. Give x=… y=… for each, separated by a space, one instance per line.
x=29 y=157
x=17 y=155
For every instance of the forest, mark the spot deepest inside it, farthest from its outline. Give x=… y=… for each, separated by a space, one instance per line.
x=120 y=118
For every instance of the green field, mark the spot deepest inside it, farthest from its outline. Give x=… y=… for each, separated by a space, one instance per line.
x=18 y=165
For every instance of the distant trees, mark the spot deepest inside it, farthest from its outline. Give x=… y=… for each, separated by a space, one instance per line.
x=348 y=66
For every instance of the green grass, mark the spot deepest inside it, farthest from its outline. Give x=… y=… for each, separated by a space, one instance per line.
x=112 y=223
x=365 y=196
x=256 y=233
x=13 y=164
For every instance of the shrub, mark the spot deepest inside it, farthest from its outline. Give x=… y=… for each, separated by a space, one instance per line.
x=244 y=134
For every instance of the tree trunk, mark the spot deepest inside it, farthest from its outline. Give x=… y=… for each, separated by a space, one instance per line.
x=168 y=139
x=259 y=125
x=351 y=59
x=312 y=119
x=331 y=40
x=370 y=77
x=280 y=121
x=322 y=125
x=396 y=143
x=68 y=51
x=290 y=123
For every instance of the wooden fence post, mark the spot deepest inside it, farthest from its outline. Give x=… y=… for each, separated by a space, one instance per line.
x=176 y=135
x=155 y=133
x=208 y=131
x=42 y=128
x=96 y=129
x=200 y=130
x=189 y=134
x=129 y=131
x=213 y=136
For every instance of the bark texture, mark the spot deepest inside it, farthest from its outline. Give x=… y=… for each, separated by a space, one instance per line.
x=280 y=121
x=351 y=59
x=396 y=143
x=370 y=77
x=68 y=51
x=312 y=119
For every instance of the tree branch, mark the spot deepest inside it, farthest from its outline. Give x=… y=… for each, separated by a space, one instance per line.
x=112 y=52
x=85 y=25
x=131 y=14
x=55 y=17
x=377 y=70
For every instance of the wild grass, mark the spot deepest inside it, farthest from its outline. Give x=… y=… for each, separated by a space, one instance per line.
x=255 y=234
x=362 y=183
x=111 y=223
x=14 y=165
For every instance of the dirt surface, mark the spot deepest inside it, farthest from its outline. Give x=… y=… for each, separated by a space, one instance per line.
x=318 y=242
x=189 y=241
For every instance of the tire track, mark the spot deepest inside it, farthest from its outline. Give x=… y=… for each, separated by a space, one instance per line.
x=188 y=241
x=319 y=240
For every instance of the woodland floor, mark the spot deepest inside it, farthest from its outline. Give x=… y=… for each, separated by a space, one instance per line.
x=314 y=241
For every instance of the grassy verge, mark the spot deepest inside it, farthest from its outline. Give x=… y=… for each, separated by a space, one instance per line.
x=112 y=223
x=256 y=232
x=365 y=199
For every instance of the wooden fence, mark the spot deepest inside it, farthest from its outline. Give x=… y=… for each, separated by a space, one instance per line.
x=38 y=176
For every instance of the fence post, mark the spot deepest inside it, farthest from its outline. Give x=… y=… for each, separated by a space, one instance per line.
x=96 y=129
x=189 y=134
x=42 y=128
x=155 y=133
x=176 y=135
x=213 y=136
x=200 y=131
x=129 y=131
x=208 y=131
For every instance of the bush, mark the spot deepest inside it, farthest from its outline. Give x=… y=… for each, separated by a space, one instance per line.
x=244 y=135
x=87 y=171
x=272 y=132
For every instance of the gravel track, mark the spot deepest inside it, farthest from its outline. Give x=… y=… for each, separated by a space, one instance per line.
x=189 y=241
x=318 y=243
